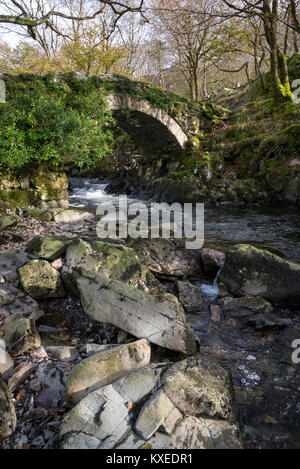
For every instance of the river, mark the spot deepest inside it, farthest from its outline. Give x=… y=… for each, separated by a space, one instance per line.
x=266 y=382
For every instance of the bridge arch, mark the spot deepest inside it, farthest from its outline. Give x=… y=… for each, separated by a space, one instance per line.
x=148 y=126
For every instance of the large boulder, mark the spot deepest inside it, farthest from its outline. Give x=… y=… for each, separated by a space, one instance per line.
x=106 y=367
x=46 y=247
x=7 y=221
x=256 y=272
x=14 y=301
x=168 y=258
x=10 y=261
x=20 y=335
x=160 y=319
x=8 y=419
x=159 y=406
x=40 y=280
x=110 y=260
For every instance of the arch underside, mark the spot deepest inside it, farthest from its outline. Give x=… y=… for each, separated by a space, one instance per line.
x=148 y=132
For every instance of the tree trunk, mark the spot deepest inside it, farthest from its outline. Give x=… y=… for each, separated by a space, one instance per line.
x=279 y=71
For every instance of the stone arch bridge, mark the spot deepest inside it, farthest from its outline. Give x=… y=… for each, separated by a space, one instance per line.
x=151 y=128
x=156 y=119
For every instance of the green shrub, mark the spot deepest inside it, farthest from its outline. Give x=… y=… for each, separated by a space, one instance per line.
x=54 y=123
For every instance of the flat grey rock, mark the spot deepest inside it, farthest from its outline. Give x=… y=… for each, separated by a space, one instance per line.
x=160 y=319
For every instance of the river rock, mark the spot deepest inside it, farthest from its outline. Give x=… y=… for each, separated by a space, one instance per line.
x=14 y=301
x=268 y=321
x=71 y=216
x=139 y=410
x=110 y=260
x=212 y=260
x=46 y=247
x=20 y=335
x=106 y=367
x=156 y=412
x=190 y=296
x=52 y=377
x=215 y=313
x=8 y=419
x=10 y=261
x=38 y=214
x=63 y=352
x=40 y=280
x=6 y=221
x=168 y=258
x=19 y=375
x=256 y=272
x=6 y=362
x=245 y=305
x=159 y=319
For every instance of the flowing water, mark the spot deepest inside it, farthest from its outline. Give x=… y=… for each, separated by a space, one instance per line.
x=276 y=229
x=265 y=380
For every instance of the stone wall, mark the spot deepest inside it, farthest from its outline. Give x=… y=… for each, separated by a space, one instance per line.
x=38 y=187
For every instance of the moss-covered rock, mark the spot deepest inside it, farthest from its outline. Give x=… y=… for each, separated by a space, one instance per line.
x=50 y=187
x=8 y=419
x=111 y=260
x=20 y=335
x=256 y=272
x=106 y=367
x=161 y=318
x=7 y=221
x=38 y=214
x=19 y=197
x=46 y=247
x=40 y=280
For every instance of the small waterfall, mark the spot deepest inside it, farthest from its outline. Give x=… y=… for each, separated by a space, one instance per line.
x=215 y=282
x=210 y=291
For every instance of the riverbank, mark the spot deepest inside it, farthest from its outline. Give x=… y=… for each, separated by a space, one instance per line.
x=252 y=340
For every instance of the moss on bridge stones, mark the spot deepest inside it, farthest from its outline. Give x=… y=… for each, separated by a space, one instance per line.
x=33 y=187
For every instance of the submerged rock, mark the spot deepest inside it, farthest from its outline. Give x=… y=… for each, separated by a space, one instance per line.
x=46 y=247
x=256 y=272
x=245 y=305
x=106 y=367
x=40 y=280
x=8 y=419
x=268 y=321
x=158 y=406
x=159 y=319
